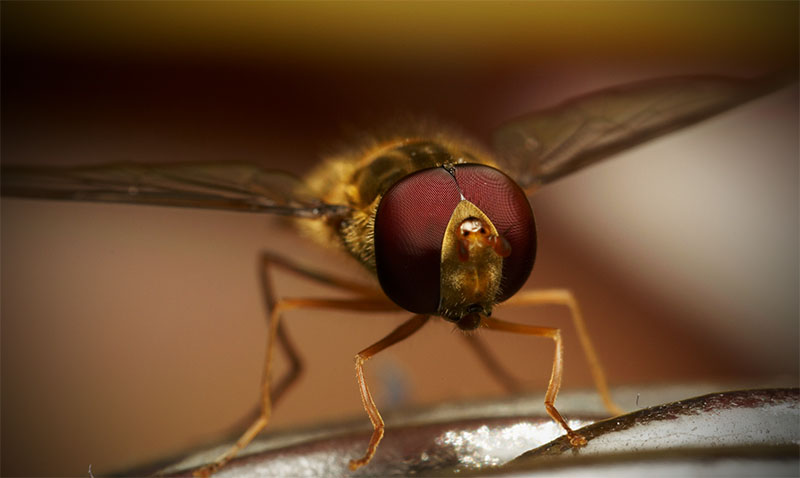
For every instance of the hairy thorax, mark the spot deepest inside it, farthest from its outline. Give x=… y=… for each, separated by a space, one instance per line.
x=358 y=178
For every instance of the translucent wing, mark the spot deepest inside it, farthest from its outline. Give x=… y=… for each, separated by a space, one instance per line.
x=546 y=145
x=214 y=185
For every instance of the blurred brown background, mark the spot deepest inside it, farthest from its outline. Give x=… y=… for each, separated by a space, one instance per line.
x=130 y=334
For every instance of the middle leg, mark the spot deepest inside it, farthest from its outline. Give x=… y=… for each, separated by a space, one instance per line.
x=268 y=261
x=565 y=298
x=495 y=368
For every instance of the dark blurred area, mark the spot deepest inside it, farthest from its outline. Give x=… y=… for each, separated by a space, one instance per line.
x=133 y=333
x=279 y=83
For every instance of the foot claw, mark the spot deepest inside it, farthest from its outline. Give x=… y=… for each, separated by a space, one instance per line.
x=576 y=440
x=356 y=464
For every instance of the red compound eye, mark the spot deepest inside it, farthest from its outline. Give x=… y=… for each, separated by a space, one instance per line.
x=506 y=205
x=412 y=218
x=409 y=228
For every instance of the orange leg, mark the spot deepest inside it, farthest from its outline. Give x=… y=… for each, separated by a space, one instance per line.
x=565 y=297
x=269 y=260
x=555 y=376
x=276 y=310
x=400 y=333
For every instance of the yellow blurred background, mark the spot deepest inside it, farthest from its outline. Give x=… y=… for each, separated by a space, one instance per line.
x=130 y=334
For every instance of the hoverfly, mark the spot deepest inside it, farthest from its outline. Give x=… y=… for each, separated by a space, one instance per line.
x=445 y=227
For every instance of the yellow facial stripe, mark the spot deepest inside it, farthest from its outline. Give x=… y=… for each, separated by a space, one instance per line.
x=471 y=276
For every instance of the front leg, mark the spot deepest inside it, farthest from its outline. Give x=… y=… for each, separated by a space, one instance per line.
x=555 y=377
x=400 y=333
x=283 y=305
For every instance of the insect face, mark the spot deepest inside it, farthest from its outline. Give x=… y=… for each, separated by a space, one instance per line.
x=453 y=241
